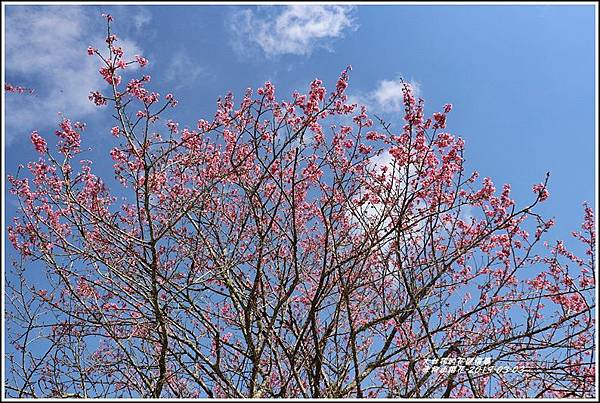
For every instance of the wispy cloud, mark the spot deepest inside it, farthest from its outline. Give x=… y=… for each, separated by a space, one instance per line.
x=182 y=69
x=141 y=18
x=295 y=29
x=387 y=96
x=46 y=46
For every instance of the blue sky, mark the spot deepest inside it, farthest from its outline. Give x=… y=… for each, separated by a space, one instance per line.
x=521 y=78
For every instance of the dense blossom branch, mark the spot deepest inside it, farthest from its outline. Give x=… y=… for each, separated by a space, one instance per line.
x=17 y=89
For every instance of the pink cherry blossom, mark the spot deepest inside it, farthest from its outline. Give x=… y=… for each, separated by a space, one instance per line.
x=39 y=143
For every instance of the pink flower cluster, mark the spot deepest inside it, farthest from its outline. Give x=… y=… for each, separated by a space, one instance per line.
x=17 y=89
x=97 y=98
x=268 y=91
x=136 y=88
x=541 y=191
x=39 y=143
x=142 y=61
x=71 y=139
x=108 y=73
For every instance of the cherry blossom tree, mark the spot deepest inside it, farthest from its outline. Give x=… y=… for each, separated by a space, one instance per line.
x=296 y=248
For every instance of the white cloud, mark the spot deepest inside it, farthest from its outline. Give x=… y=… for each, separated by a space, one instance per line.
x=376 y=217
x=388 y=96
x=295 y=29
x=182 y=69
x=142 y=18
x=399 y=173
x=46 y=46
